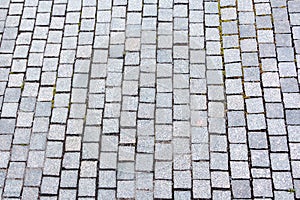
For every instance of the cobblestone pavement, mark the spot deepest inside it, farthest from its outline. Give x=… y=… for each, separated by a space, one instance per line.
x=144 y=99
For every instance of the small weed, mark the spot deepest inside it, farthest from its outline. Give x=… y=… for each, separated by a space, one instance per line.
x=245 y=96
x=22 y=86
x=222 y=51
x=52 y=104
x=226 y=20
x=291 y=190
x=54 y=91
x=224 y=73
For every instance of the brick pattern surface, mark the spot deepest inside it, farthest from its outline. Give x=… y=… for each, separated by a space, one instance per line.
x=149 y=99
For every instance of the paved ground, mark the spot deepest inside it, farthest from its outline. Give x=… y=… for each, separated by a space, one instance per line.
x=149 y=99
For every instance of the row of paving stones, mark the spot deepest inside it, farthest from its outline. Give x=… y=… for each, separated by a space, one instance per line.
x=149 y=99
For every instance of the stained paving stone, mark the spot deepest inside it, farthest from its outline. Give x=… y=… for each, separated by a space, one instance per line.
x=149 y=99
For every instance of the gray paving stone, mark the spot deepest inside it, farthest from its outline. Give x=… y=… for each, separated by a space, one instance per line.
x=261 y=173
x=163 y=170
x=259 y=158
x=214 y=77
x=218 y=143
x=38 y=141
x=285 y=54
x=217 y=194
x=278 y=144
x=231 y=55
x=21 y=136
x=69 y=178
x=145 y=127
x=249 y=59
x=12 y=95
x=200 y=152
x=220 y=179
x=29 y=192
x=182 y=194
x=297 y=186
x=241 y=189
x=5 y=142
x=215 y=93
x=272 y=95
x=291 y=100
x=164 y=56
x=230 y=41
x=43 y=109
x=49 y=185
x=9 y=110
x=295 y=167
x=283 y=194
x=251 y=74
x=247 y=18
x=64 y=194
x=256 y=121
x=54 y=149
x=126 y=153
x=254 y=105
x=276 y=127
x=87 y=187
x=236 y=118
x=294 y=152
x=182 y=179
x=108 y=160
x=36 y=159
x=218 y=161
x=25 y=120
x=4 y=159
x=274 y=110
x=144 y=181
x=289 y=85
x=125 y=171
x=229 y=27
x=287 y=69
x=19 y=153
x=125 y=189
x=292 y=130
x=145 y=144
x=280 y=161
x=216 y=125
x=90 y=151
x=282 y=180
x=262 y=187
x=292 y=117
x=162 y=189
x=33 y=177
x=257 y=140
x=197 y=87
x=238 y=152
x=63 y=100
x=239 y=170
x=71 y=160
x=235 y=102
x=237 y=135
x=107 y=179
x=12 y=188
